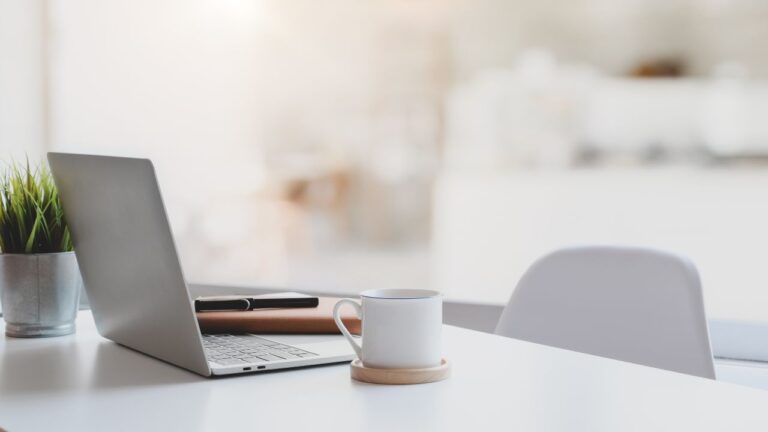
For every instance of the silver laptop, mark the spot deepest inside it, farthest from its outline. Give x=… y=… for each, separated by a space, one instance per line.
x=134 y=280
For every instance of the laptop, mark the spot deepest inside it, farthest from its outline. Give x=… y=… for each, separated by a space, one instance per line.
x=135 y=284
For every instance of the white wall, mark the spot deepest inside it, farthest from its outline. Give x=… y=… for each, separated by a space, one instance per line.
x=22 y=78
x=173 y=81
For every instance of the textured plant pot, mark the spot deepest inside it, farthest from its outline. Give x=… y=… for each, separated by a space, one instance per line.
x=40 y=293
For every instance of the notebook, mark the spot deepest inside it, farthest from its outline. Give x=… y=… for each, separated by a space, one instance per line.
x=289 y=320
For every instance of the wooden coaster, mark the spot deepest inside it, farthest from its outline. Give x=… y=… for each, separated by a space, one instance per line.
x=399 y=376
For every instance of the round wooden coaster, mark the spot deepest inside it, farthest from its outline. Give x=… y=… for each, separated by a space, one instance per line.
x=399 y=376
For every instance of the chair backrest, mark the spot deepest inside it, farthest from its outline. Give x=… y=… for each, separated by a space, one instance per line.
x=636 y=305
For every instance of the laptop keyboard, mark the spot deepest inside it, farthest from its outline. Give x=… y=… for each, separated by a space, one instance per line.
x=231 y=350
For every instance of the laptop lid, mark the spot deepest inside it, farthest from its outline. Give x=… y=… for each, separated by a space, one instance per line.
x=128 y=257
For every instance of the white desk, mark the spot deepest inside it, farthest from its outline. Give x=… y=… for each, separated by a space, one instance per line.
x=84 y=382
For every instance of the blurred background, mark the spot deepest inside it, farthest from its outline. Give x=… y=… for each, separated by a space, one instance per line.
x=344 y=145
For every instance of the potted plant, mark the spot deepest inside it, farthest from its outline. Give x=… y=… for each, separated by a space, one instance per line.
x=39 y=278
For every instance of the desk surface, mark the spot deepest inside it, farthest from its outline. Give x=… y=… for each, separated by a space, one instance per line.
x=84 y=382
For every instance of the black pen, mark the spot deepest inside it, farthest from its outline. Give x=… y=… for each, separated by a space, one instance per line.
x=245 y=303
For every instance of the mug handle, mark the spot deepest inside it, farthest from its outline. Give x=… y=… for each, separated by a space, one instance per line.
x=359 y=310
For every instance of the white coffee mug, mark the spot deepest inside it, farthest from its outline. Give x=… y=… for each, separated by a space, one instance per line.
x=401 y=328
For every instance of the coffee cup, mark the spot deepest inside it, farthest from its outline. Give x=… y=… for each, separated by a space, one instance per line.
x=401 y=329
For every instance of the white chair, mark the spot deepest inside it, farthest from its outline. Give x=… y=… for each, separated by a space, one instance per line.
x=636 y=305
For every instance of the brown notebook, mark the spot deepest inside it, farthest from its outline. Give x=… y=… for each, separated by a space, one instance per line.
x=288 y=320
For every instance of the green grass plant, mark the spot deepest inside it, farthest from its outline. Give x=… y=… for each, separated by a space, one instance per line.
x=31 y=216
